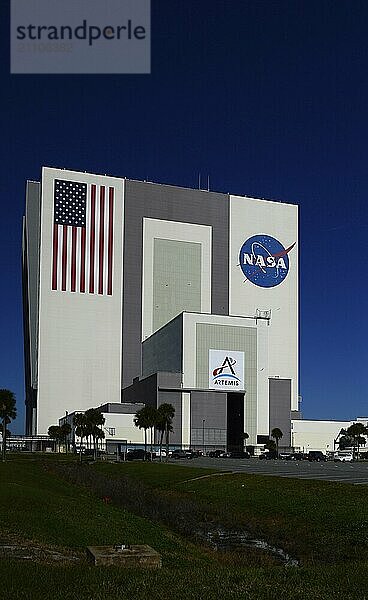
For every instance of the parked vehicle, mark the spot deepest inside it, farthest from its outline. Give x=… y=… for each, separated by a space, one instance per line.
x=297 y=456
x=178 y=454
x=343 y=457
x=316 y=456
x=139 y=454
x=268 y=455
x=218 y=454
x=223 y=454
x=285 y=456
x=239 y=454
x=91 y=452
x=191 y=453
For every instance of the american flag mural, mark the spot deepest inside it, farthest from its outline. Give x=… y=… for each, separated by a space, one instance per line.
x=83 y=236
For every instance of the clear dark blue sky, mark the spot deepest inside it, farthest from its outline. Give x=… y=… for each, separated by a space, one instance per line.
x=268 y=97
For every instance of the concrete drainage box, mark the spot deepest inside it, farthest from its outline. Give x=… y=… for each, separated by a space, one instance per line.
x=125 y=556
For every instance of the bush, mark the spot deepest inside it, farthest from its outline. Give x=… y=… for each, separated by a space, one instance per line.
x=167 y=507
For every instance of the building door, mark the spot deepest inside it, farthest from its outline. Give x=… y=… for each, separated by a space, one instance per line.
x=235 y=421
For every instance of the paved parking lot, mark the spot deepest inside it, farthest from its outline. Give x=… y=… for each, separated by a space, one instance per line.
x=354 y=473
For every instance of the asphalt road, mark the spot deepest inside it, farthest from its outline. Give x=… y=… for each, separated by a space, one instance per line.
x=355 y=473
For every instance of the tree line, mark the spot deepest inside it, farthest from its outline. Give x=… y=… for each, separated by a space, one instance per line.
x=156 y=419
x=87 y=426
x=353 y=437
x=8 y=413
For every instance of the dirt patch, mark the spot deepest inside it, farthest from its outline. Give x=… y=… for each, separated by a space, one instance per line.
x=13 y=548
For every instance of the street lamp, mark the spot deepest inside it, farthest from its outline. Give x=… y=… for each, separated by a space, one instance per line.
x=203 y=422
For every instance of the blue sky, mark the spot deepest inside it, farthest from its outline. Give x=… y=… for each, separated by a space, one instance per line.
x=267 y=97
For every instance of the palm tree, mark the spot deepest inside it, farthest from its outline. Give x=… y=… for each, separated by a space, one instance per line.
x=89 y=428
x=270 y=445
x=356 y=431
x=94 y=421
x=151 y=415
x=160 y=426
x=277 y=434
x=245 y=437
x=143 y=420
x=8 y=412
x=80 y=424
x=65 y=430
x=55 y=433
x=165 y=415
x=345 y=441
x=99 y=434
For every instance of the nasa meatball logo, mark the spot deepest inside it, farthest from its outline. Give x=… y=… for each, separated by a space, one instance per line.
x=264 y=261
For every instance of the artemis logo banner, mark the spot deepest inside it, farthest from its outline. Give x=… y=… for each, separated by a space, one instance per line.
x=264 y=260
x=226 y=370
x=80 y=36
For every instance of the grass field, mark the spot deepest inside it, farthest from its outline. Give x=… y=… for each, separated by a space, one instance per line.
x=323 y=524
x=317 y=521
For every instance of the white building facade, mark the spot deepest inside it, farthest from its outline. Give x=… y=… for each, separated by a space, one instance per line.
x=109 y=264
x=323 y=435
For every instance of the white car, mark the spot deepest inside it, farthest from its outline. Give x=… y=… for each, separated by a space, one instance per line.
x=343 y=457
x=163 y=453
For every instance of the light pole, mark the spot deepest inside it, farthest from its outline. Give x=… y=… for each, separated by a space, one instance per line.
x=204 y=449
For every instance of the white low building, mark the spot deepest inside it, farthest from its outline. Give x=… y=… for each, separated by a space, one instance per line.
x=119 y=429
x=308 y=434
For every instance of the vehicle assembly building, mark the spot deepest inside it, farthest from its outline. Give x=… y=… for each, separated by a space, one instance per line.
x=138 y=292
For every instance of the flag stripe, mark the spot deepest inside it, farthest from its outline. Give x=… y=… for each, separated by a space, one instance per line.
x=97 y=242
x=78 y=258
x=64 y=257
x=69 y=260
x=60 y=256
x=111 y=237
x=83 y=261
x=88 y=239
x=101 y=245
x=106 y=241
x=92 y=242
x=74 y=259
x=55 y=257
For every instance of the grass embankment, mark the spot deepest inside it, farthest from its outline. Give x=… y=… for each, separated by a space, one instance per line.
x=37 y=505
x=315 y=521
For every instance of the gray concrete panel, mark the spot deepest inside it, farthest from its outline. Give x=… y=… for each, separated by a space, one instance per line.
x=144 y=391
x=162 y=351
x=210 y=407
x=168 y=380
x=30 y=283
x=167 y=203
x=242 y=339
x=173 y=398
x=176 y=279
x=280 y=404
x=33 y=220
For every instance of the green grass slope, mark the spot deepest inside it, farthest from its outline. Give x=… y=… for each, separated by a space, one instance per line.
x=38 y=506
